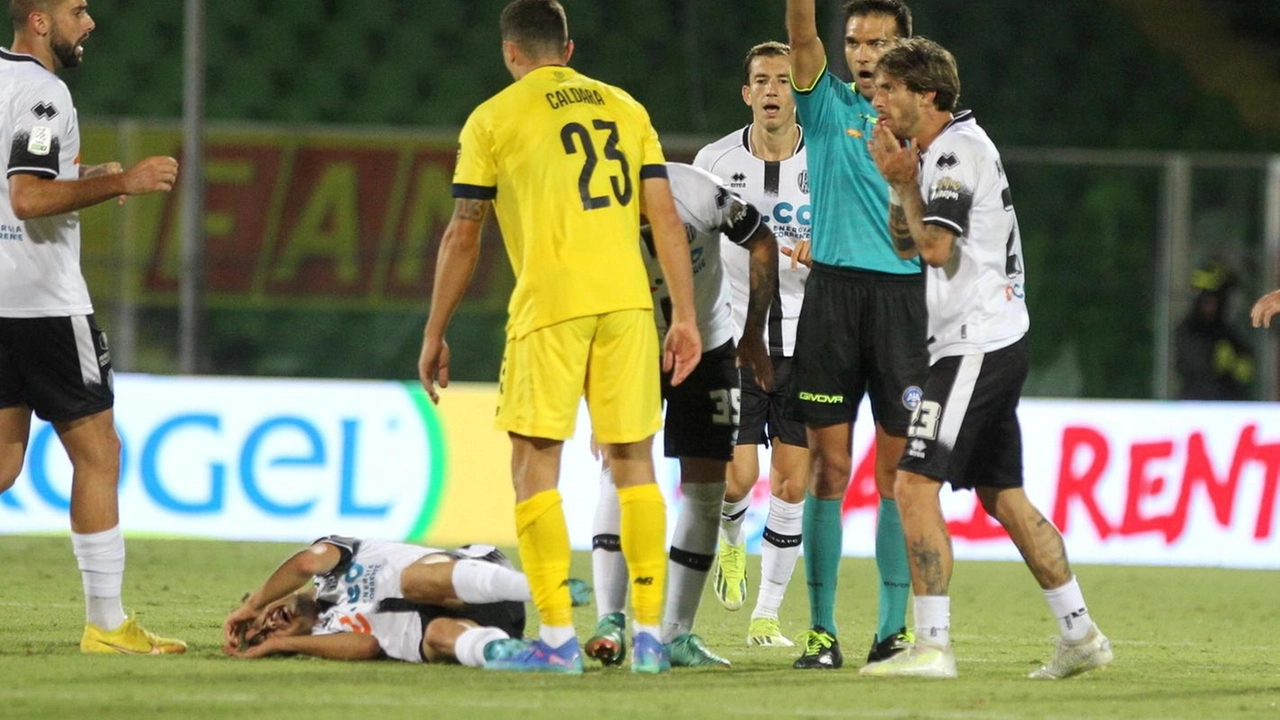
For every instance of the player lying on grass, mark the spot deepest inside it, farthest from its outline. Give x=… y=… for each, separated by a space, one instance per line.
x=349 y=599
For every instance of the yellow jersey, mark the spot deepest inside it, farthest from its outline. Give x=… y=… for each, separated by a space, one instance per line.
x=562 y=156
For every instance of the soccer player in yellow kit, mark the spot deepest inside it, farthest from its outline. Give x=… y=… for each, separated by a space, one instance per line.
x=567 y=162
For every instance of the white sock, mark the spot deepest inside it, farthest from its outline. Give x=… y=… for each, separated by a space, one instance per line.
x=693 y=549
x=933 y=619
x=478 y=582
x=608 y=566
x=556 y=635
x=1067 y=605
x=732 y=514
x=101 y=559
x=469 y=649
x=637 y=628
x=778 y=554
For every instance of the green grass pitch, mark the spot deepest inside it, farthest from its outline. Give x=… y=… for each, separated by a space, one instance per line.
x=1189 y=643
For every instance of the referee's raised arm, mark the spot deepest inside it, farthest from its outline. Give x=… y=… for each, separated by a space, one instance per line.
x=808 y=56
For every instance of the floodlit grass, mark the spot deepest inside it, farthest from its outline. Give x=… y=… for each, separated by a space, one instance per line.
x=1189 y=643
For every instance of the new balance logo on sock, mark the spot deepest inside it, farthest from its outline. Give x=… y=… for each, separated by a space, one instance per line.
x=646 y=581
x=1076 y=615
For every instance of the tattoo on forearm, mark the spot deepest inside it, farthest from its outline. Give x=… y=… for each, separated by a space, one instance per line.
x=473 y=210
x=899 y=229
x=761 y=294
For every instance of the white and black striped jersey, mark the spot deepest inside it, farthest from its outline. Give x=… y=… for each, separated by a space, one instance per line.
x=354 y=595
x=780 y=189
x=977 y=303
x=707 y=208
x=40 y=258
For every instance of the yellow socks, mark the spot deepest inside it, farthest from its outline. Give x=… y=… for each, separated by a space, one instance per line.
x=644 y=545
x=544 y=555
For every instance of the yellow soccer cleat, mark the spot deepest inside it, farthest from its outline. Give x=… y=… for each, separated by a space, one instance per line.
x=730 y=580
x=128 y=639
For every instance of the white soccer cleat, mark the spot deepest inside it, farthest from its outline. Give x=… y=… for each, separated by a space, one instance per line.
x=918 y=661
x=1074 y=658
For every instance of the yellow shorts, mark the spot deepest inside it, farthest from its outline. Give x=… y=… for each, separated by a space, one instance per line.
x=612 y=358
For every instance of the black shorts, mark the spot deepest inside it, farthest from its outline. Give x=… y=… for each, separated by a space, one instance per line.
x=966 y=430
x=703 y=411
x=763 y=416
x=508 y=616
x=859 y=332
x=60 y=367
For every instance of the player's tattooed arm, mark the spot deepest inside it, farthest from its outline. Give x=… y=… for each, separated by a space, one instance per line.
x=472 y=210
x=455 y=263
x=763 y=282
x=900 y=230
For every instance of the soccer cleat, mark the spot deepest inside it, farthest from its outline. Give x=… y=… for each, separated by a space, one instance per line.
x=882 y=650
x=648 y=655
x=920 y=661
x=731 y=574
x=579 y=592
x=540 y=657
x=1074 y=658
x=821 y=651
x=128 y=639
x=609 y=644
x=505 y=648
x=688 y=650
x=765 y=632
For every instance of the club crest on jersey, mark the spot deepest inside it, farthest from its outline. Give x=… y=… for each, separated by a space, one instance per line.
x=911 y=398
x=44 y=110
x=802 y=181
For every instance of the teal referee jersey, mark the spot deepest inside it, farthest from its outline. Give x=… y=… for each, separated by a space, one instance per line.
x=850 y=199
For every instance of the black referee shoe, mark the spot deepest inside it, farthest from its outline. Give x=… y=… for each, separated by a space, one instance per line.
x=884 y=649
x=821 y=651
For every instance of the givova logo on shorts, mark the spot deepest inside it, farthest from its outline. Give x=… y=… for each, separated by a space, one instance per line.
x=823 y=398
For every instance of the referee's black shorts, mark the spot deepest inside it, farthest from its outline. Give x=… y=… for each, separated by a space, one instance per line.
x=860 y=332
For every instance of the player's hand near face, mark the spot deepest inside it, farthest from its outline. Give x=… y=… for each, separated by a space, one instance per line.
x=433 y=365
x=237 y=624
x=802 y=254
x=898 y=163
x=1267 y=306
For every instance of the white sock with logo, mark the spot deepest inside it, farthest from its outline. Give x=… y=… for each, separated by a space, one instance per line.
x=933 y=620
x=732 y=515
x=101 y=559
x=608 y=566
x=778 y=554
x=1067 y=605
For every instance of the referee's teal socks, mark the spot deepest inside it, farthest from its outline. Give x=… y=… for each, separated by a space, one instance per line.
x=895 y=573
x=823 y=530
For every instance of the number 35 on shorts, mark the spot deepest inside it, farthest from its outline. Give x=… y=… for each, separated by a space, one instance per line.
x=924 y=420
x=728 y=405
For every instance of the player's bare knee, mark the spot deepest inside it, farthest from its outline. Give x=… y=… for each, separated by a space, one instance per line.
x=429 y=580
